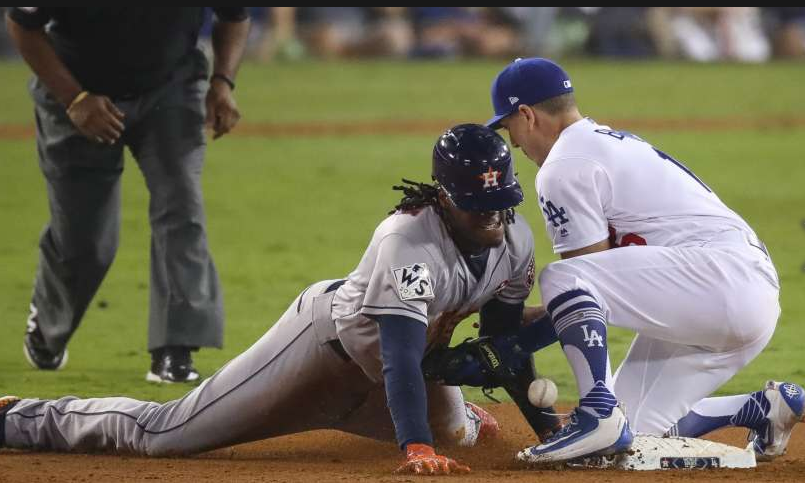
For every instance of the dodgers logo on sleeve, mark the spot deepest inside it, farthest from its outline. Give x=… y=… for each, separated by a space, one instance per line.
x=413 y=282
x=557 y=216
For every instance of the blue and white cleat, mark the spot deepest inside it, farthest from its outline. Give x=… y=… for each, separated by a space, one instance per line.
x=786 y=409
x=584 y=435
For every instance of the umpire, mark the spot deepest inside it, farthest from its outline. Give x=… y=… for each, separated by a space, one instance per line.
x=108 y=77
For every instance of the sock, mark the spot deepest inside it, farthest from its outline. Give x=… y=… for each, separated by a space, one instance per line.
x=582 y=331
x=709 y=414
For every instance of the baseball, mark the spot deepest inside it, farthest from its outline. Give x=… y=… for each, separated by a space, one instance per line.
x=542 y=392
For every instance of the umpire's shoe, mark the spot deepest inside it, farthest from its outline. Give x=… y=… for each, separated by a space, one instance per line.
x=786 y=408
x=585 y=435
x=35 y=349
x=6 y=403
x=172 y=364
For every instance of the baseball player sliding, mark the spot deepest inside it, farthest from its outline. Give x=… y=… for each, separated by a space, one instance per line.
x=347 y=353
x=688 y=275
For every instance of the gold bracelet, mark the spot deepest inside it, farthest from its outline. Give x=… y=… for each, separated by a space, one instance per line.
x=80 y=97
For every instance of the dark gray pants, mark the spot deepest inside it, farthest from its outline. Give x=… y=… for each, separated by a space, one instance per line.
x=164 y=132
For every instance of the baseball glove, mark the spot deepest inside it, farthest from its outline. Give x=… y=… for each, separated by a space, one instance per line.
x=481 y=362
x=490 y=362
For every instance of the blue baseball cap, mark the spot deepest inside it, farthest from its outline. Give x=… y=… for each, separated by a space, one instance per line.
x=529 y=82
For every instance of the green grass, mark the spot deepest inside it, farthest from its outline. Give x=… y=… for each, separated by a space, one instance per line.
x=284 y=212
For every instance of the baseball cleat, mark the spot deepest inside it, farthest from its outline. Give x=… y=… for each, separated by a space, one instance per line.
x=35 y=349
x=489 y=427
x=585 y=435
x=6 y=403
x=172 y=364
x=786 y=409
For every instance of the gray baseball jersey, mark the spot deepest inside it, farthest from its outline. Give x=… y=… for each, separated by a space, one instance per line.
x=413 y=269
x=297 y=377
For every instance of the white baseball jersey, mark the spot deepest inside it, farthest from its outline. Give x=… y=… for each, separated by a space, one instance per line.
x=597 y=182
x=689 y=276
x=412 y=268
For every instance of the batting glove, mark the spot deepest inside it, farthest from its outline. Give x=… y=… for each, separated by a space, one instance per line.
x=421 y=459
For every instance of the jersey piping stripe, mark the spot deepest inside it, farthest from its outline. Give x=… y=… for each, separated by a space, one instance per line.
x=497 y=264
x=301 y=297
x=378 y=307
x=189 y=418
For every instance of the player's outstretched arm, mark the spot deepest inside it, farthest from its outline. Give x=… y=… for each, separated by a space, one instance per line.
x=402 y=344
x=421 y=459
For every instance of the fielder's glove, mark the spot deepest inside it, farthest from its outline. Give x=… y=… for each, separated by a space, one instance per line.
x=490 y=362
x=421 y=459
x=481 y=362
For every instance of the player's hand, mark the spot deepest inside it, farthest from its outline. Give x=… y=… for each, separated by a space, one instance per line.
x=222 y=112
x=421 y=459
x=97 y=118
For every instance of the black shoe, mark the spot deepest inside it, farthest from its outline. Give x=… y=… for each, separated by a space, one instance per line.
x=172 y=364
x=35 y=349
x=6 y=403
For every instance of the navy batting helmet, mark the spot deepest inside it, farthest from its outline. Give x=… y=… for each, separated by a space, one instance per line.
x=474 y=166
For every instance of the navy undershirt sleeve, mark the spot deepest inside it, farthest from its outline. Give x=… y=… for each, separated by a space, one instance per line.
x=402 y=345
x=537 y=335
x=498 y=318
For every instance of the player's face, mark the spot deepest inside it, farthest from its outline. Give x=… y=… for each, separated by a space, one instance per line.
x=517 y=126
x=473 y=231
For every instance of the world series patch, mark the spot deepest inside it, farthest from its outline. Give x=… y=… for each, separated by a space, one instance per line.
x=413 y=282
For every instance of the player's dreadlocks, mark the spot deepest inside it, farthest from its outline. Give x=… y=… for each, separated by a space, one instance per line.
x=419 y=195
x=416 y=195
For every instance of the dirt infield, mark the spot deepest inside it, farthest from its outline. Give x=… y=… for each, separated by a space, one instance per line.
x=327 y=456
x=428 y=127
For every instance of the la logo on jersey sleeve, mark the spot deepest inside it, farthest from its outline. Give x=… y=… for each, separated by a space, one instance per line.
x=413 y=282
x=556 y=216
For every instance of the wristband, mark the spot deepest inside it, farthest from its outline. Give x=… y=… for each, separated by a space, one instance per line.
x=224 y=78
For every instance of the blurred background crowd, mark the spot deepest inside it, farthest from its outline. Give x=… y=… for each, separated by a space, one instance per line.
x=703 y=34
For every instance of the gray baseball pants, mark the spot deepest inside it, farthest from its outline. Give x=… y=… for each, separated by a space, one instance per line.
x=164 y=131
x=289 y=381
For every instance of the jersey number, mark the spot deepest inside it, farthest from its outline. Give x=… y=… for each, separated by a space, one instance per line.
x=621 y=135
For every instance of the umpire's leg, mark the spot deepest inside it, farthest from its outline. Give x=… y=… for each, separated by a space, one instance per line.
x=79 y=242
x=168 y=143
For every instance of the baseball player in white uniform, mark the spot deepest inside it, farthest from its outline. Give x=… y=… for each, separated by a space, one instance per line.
x=346 y=354
x=645 y=245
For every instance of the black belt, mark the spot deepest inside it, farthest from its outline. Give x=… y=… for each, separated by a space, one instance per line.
x=335 y=344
